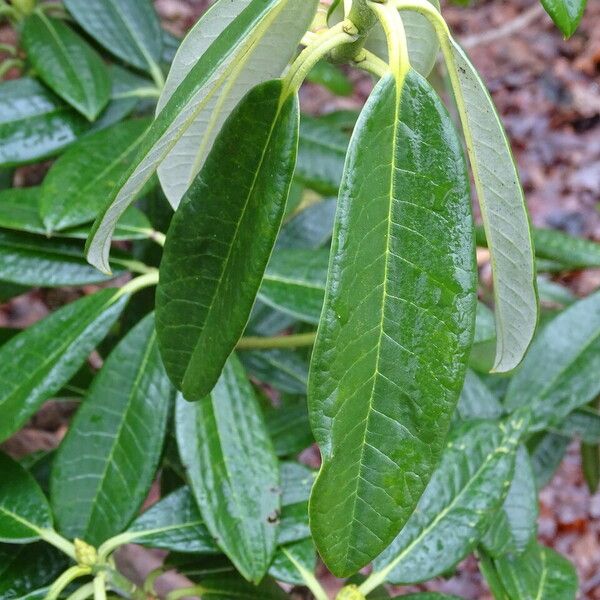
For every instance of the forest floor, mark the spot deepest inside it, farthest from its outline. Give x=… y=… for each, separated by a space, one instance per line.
x=548 y=93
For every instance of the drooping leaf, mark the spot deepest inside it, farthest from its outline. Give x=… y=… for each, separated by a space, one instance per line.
x=33 y=260
x=310 y=228
x=294 y=283
x=566 y=14
x=397 y=324
x=192 y=95
x=515 y=524
x=538 y=573
x=285 y=370
x=222 y=236
x=477 y=401
x=174 y=523
x=20 y=211
x=67 y=64
x=233 y=471
x=75 y=189
x=503 y=210
x=245 y=68
x=322 y=151
x=24 y=510
x=571 y=344
x=129 y=29
x=26 y=569
x=107 y=462
x=49 y=353
x=34 y=123
x=458 y=505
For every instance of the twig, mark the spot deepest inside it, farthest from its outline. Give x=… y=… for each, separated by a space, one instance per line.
x=508 y=29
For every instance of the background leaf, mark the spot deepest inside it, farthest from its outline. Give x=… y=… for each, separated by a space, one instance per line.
x=566 y=14
x=571 y=344
x=50 y=353
x=34 y=123
x=76 y=187
x=232 y=469
x=381 y=392
x=458 y=505
x=67 y=64
x=129 y=29
x=106 y=463
x=24 y=510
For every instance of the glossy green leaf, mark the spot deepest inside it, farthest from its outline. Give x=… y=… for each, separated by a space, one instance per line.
x=310 y=228
x=294 y=283
x=566 y=14
x=49 y=353
x=221 y=239
x=24 y=510
x=175 y=524
x=570 y=343
x=381 y=391
x=503 y=210
x=33 y=260
x=246 y=67
x=322 y=151
x=546 y=451
x=516 y=523
x=458 y=505
x=538 y=573
x=231 y=466
x=285 y=370
x=76 y=188
x=67 y=64
x=583 y=424
x=477 y=401
x=192 y=95
x=26 y=569
x=129 y=29
x=107 y=462
x=34 y=123
x=20 y=211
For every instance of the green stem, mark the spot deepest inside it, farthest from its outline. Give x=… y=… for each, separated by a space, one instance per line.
x=323 y=43
x=309 y=579
x=65 y=579
x=109 y=546
x=11 y=63
x=135 y=266
x=371 y=63
x=282 y=341
x=122 y=585
x=197 y=590
x=84 y=592
x=391 y=22
x=138 y=284
x=100 y=586
x=58 y=541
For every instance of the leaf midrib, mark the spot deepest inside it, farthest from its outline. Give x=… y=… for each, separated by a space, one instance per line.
x=130 y=396
x=217 y=288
